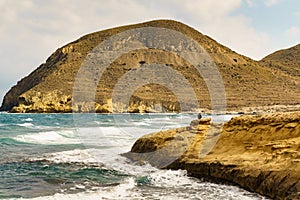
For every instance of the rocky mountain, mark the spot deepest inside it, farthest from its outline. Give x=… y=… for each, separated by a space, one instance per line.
x=248 y=83
x=286 y=60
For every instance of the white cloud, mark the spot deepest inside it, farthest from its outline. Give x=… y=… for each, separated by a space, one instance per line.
x=31 y=30
x=271 y=2
x=235 y=31
x=250 y=3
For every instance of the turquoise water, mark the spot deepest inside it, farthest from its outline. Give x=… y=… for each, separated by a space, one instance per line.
x=66 y=156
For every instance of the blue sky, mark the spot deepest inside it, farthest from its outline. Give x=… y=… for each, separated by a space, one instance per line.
x=30 y=30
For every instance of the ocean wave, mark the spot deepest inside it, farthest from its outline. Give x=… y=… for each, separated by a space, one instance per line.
x=99 y=157
x=66 y=178
x=170 y=178
x=109 y=137
x=159 y=119
x=71 y=156
x=178 y=181
x=129 y=189
x=27 y=124
x=142 y=181
x=9 y=141
x=141 y=124
x=49 y=138
x=27 y=119
x=124 y=191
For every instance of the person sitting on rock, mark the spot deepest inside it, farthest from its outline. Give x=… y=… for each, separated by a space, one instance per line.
x=199 y=116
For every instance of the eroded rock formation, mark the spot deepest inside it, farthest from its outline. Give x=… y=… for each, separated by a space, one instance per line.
x=260 y=153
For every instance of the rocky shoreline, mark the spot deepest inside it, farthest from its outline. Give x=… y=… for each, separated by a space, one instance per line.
x=260 y=153
x=265 y=109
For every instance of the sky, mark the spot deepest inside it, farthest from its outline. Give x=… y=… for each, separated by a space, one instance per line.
x=30 y=30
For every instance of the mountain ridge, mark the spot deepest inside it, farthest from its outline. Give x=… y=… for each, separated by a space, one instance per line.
x=285 y=60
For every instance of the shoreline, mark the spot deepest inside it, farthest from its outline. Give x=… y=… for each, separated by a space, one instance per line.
x=259 y=152
x=254 y=110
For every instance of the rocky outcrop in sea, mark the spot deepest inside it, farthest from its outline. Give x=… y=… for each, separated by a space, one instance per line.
x=260 y=153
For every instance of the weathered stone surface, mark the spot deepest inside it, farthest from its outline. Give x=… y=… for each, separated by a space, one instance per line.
x=260 y=153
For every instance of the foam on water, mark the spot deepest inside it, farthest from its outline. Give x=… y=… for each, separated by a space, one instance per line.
x=27 y=119
x=103 y=157
x=178 y=180
x=122 y=164
x=141 y=124
x=162 y=184
x=116 y=139
x=71 y=156
x=49 y=137
x=165 y=184
x=122 y=191
x=104 y=141
x=26 y=124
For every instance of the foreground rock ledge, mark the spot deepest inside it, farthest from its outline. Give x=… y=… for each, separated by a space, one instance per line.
x=259 y=153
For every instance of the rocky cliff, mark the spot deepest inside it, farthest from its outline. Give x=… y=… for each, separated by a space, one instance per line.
x=260 y=153
x=50 y=87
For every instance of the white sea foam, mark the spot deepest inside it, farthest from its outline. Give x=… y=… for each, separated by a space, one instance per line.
x=121 y=164
x=117 y=139
x=222 y=118
x=179 y=182
x=158 y=119
x=72 y=156
x=109 y=142
x=122 y=191
x=170 y=178
x=164 y=184
x=102 y=157
x=49 y=138
x=27 y=124
x=78 y=196
x=27 y=119
x=168 y=185
x=141 y=124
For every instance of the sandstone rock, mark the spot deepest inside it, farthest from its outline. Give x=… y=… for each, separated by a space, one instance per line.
x=203 y=121
x=265 y=161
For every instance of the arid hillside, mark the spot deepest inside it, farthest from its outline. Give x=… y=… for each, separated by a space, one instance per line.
x=286 y=60
x=248 y=83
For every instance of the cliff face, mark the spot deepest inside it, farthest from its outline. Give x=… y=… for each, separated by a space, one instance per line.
x=259 y=153
x=11 y=99
x=49 y=88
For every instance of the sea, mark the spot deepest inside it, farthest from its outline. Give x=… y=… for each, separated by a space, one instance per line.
x=78 y=156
